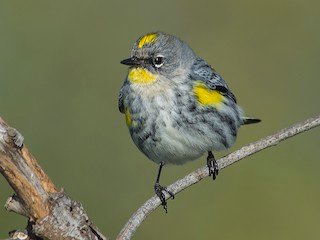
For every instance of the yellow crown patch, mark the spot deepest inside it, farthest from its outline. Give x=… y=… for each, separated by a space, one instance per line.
x=149 y=38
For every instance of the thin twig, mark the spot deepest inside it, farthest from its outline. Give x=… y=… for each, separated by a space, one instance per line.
x=15 y=204
x=150 y=205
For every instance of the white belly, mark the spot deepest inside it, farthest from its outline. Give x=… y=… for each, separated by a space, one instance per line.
x=170 y=139
x=177 y=146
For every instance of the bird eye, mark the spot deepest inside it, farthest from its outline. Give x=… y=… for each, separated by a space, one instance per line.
x=158 y=61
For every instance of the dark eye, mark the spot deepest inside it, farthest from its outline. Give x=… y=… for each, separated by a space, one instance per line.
x=158 y=61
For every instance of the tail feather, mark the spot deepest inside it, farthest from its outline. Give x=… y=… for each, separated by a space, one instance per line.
x=249 y=120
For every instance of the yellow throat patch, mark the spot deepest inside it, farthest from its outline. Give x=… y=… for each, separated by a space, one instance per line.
x=149 y=38
x=141 y=75
x=207 y=96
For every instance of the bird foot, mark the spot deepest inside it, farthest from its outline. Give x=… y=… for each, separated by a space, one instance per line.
x=159 y=190
x=212 y=166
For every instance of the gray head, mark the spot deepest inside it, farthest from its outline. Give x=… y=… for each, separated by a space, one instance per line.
x=161 y=54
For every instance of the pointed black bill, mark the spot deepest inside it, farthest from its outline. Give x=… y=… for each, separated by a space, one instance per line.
x=130 y=61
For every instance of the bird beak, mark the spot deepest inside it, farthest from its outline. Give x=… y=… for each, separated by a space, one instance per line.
x=131 y=61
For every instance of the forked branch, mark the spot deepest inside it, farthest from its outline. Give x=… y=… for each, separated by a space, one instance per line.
x=51 y=213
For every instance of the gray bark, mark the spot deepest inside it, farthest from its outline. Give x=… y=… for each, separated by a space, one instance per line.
x=51 y=213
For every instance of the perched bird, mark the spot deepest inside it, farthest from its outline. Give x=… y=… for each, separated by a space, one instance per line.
x=176 y=106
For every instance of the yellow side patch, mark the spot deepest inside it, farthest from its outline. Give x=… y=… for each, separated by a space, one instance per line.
x=141 y=75
x=128 y=117
x=149 y=38
x=207 y=96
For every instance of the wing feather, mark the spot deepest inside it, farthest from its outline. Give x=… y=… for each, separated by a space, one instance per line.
x=202 y=71
x=122 y=94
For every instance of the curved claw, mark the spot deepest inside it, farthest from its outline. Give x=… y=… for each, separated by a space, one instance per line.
x=159 y=190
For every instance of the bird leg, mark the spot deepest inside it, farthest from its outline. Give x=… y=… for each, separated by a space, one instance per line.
x=159 y=190
x=212 y=166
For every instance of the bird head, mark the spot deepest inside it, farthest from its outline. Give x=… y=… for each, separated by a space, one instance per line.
x=157 y=56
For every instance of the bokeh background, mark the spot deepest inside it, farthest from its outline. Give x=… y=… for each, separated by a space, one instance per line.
x=59 y=82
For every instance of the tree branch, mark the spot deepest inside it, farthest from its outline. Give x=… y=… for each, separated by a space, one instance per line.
x=52 y=214
x=150 y=205
x=14 y=204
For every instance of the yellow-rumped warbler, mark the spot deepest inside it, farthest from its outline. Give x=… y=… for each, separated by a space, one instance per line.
x=176 y=106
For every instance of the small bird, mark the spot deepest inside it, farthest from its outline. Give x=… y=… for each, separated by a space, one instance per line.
x=176 y=106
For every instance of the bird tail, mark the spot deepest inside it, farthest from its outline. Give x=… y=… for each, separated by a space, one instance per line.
x=249 y=120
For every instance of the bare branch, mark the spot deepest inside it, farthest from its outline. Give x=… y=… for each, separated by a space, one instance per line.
x=52 y=214
x=14 y=204
x=150 y=205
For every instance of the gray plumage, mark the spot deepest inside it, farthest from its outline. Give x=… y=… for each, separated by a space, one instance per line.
x=164 y=116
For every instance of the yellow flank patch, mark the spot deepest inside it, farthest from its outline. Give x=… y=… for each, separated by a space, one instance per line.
x=207 y=96
x=141 y=75
x=149 y=38
x=128 y=117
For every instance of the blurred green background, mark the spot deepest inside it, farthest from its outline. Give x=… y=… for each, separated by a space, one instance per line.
x=59 y=82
